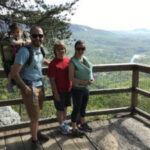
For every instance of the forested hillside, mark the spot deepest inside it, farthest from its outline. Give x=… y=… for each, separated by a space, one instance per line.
x=114 y=46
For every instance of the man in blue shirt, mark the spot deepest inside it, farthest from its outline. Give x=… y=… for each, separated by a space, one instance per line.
x=29 y=79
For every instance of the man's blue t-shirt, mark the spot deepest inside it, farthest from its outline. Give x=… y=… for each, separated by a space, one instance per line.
x=33 y=72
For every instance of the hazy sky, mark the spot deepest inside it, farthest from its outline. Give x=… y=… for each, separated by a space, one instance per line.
x=112 y=14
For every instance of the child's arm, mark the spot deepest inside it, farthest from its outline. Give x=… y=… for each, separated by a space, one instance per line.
x=17 y=42
x=27 y=41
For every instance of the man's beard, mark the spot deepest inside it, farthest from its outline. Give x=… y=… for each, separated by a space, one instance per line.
x=36 y=44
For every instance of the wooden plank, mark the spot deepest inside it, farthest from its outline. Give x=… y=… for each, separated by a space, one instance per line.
x=45 y=129
x=134 y=95
x=2 y=73
x=13 y=140
x=2 y=142
x=142 y=113
x=113 y=67
x=19 y=101
x=51 y=144
x=65 y=141
x=96 y=68
x=83 y=143
x=143 y=92
x=110 y=91
x=143 y=68
x=26 y=138
x=50 y=97
x=108 y=111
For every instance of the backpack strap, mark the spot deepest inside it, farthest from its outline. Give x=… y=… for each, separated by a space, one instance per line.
x=43 y=52
x=29 y=47
x=28 y=62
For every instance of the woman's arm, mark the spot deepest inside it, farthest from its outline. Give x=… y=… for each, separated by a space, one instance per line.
x=72 y=78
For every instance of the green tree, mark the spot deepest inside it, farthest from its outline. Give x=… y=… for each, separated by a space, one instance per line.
x=52 y=18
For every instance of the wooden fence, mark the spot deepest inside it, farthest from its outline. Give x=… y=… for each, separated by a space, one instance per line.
x=134 y=90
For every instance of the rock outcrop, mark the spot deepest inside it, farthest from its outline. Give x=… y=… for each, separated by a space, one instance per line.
x=8 y=116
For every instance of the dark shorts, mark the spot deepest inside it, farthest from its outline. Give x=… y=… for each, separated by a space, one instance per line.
x=65 y=101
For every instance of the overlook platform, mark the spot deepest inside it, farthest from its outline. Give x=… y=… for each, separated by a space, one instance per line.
x=130 y=131
x=119 y=133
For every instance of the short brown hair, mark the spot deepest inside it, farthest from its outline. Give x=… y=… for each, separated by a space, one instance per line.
x=34 y=28
x=57 y=45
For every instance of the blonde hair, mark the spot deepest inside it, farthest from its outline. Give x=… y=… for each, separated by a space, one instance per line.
x=59 y=44
x=15 y=26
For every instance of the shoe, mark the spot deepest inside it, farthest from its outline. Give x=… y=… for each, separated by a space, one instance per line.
x=36 y=145
x=78 y=133
x=65 y=128
x=42 y=137
x=85 y=127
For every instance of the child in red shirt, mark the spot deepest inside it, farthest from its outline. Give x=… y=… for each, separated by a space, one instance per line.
x=61 y=86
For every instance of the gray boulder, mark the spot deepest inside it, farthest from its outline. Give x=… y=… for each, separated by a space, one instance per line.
x=8 y=116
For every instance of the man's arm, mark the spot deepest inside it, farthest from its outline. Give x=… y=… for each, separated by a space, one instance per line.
x=15 y=70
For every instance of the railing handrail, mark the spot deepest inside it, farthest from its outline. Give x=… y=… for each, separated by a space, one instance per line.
x=105 y=68
x=96 y=68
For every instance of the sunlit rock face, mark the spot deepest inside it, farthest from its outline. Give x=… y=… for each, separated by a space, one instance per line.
x=8 y=116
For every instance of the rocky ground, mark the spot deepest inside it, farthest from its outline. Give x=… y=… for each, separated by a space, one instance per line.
x=126 y=133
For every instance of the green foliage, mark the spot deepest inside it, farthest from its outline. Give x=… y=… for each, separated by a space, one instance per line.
x=52 y=18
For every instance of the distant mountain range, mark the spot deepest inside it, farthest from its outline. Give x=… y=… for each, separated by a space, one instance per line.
x=114 y=46
x=76 y=28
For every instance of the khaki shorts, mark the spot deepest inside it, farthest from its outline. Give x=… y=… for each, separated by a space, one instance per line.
x=31 y=107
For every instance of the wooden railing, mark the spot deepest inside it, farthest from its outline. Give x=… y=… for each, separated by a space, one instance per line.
x=134 y=90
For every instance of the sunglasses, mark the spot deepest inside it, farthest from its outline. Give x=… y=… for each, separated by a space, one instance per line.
x=37 y=35
x=80 y=48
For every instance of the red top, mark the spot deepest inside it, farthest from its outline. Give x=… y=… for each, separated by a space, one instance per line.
x=58 y=69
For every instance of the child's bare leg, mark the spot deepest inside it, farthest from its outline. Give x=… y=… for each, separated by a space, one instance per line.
x=9 y=79
x=9 y=85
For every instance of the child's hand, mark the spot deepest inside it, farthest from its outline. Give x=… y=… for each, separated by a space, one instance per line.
x=23 y=43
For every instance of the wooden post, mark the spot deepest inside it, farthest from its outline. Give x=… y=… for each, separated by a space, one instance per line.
x=134 y=95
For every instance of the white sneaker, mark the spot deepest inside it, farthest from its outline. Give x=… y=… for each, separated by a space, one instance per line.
x=65 y=128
